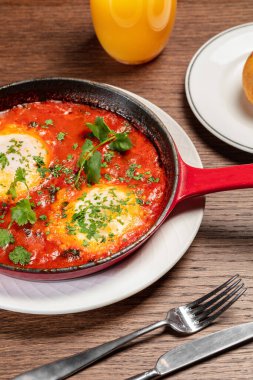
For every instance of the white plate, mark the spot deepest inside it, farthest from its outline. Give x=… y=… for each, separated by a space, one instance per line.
x=133 y=274
x=214 y=90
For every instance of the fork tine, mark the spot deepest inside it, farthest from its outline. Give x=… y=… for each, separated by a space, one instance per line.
x=209 y=320
x=213 y=292
x=217 y=305
x=198 y=309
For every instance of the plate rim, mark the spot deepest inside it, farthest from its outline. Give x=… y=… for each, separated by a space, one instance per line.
x=29 y=309
x=191 y=103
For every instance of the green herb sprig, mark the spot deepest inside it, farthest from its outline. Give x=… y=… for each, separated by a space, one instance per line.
x=22 y=213
x=19 y=177
x=20 y=255
x=90 y=159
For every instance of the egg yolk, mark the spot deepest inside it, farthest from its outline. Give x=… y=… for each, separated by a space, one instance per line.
x=95 y=218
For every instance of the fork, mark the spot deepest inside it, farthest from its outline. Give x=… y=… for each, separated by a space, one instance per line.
x=187 y=319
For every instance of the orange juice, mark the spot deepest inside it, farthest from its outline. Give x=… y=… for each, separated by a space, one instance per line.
x=133 y=31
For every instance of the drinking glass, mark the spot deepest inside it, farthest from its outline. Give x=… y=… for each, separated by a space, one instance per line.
x=133 y=31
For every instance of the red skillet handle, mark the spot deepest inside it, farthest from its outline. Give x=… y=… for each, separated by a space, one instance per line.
x=195 y=181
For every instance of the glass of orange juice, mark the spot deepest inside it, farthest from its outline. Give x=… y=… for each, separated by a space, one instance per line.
x=133 y=31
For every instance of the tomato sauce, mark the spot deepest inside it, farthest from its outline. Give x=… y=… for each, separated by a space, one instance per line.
x=61 y=130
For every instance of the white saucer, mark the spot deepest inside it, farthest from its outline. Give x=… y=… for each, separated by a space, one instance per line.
x=213 y=86
x=130 y=276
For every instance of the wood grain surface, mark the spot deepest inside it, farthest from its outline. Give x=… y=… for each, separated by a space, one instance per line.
x=55 y=38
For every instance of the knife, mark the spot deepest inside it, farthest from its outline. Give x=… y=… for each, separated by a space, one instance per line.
x=197 y=350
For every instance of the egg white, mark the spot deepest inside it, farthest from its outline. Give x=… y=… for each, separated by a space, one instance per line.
x=20 y=148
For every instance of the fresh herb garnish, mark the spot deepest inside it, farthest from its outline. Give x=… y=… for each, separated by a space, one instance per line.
x=131 y=171
x=56 y=170
x=19 y=177
x=43 y=171
x=119 y=141
x=39 y=161
x=20 y=255
x=75 y=146
x=23 y=213
x=92 y=168
x=43 y=217
x=108 y=156
x=49 y=122
x=69 y=157
x=6 y=237
x=122 y=142
x=99 y=129
x=3 y=160
x=33 y=124
x=61 y=136
x=90 y=158
x=152 y=179
x=108 y=177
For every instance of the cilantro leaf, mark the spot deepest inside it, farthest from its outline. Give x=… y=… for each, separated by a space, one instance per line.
x=90 y=158
x=20 y=255
x=22 y=213
x=99 y=129
x=92 y=168
x=3 y=160
x=12 y=190
x=86 y=148
x=122 y=142
x=84 y=156
x=19 y=177
x=5 y=237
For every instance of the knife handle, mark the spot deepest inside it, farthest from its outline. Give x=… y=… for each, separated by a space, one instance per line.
x=152 y=374
x=63 y=368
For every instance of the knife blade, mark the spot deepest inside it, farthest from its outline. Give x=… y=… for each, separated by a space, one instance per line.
x=197 y=350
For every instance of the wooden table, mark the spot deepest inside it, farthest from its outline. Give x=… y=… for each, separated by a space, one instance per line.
x=56 y=38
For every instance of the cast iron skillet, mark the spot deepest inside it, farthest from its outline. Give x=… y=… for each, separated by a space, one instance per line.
x=183 y=181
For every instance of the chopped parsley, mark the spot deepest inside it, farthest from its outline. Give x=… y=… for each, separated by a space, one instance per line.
x=43 y=171
x=108 y=156
x=33 y=124
x=61 y=136
x=3 y=160
x=39 y=161
x=43 y=217
x=49 y=122
x=130 y=173
x=108 y=177
x=152 y=179
x=69 y=157
x=56 y=170
x=75 y=146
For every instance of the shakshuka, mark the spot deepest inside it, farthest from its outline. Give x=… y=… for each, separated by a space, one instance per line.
x=77 y=184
